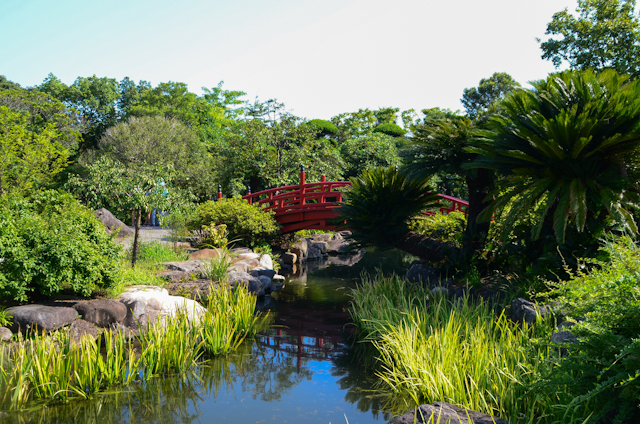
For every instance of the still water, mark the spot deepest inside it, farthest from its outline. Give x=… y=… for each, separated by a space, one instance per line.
x=303 y=370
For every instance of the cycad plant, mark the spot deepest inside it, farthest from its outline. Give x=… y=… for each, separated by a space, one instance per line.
x=379 y=204
x=566 y=150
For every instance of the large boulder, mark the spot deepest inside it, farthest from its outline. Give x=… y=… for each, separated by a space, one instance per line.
x=317 y=250
x=197 y=289
x=423 y=274
x=41 y=317
x=101 y=312
x=266 y=261
x=156 y=303
x=112 y=223
x=446 y=413
x=5 y=334
x=80 y=329
x=205 y=255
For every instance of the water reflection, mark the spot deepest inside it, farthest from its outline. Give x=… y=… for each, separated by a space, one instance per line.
x=303 y=370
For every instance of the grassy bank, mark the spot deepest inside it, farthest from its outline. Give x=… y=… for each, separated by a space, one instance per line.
x=54 y=367
x=431 y=349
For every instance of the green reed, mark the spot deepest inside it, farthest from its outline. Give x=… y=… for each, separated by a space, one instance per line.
x=56 y=367
x=431 y=349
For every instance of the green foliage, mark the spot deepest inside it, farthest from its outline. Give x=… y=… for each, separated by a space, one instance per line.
x=431 y=348
x=441 y=227
x=5 y=319
x=49 y=243
x=216 y=269
x=606 y=34
x=31 y=156
x=598 y=378
x=323 y=128
x=245 y=222
x=154 y=253
x=369 y=152
x=390 y=129
x=565 y=149
x=380 y=203
x=477 y=101
x=214 y=236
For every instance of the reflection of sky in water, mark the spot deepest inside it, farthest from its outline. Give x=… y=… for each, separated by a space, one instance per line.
x=297 y=372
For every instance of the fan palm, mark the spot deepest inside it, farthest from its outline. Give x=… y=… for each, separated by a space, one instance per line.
x=566 y=149
x=379 y=204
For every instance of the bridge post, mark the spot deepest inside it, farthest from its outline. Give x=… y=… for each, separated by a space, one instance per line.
x=249 y=199
x=219 y=192
x=302 y=183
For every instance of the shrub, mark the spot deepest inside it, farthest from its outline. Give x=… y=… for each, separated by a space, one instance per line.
x=441 y=227
x=50 y=242
x=390 y=129
x=244 y=221
x=323 y=128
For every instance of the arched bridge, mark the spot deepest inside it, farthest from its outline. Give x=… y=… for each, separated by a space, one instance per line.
x=307 y=206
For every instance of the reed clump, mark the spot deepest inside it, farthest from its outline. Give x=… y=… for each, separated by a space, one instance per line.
x=431 y=348
x=57 y=368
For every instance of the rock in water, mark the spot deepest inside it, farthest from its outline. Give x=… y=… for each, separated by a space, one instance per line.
x=446 y=413
x=112 y=223
x=101 y=312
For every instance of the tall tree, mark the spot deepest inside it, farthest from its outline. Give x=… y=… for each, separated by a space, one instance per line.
x=477 y=101
x=605 y=34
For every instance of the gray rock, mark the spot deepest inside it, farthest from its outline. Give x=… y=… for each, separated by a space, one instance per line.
x=191 y=267
x=239 y=267
x=266 y=283
x=253 y=284
x=278 y=278
x=316 y=250
x=248 y=255
x=5 y=334
x=422 y=274
x=101 y=312
x=197 y=289
x=251 y=263
x=446 y=413
x=80 y=329
x=266 y=261
x=562 y=337
x=523 y=310
x=266 y=272
x=320 y=238
x=174 y=276
x=300 y=249
x=112 y=223
x=155 y=302
x=40 y=317
x=240 y=250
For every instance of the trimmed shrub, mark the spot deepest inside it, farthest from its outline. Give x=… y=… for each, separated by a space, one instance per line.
x=244 y=222
x=441 y=227
x=323 y=128
x=390 y=129
x=49 y=243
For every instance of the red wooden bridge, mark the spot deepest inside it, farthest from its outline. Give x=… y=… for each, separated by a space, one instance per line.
x=307 y=206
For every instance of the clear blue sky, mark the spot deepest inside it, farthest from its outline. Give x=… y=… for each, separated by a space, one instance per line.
x=318 y=57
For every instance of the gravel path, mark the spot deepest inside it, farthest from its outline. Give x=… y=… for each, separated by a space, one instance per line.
x=147 y=234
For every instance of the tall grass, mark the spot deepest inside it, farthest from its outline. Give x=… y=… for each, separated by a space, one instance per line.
x=216 y=269
x=463 y=352
x=56 y=367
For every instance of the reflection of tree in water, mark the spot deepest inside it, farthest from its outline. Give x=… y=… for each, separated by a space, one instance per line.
x=356 y=368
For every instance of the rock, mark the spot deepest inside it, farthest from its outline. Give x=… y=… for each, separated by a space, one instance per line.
x=266 y=283
x=240 y=250
x=253 y=284
x=562 y=337
x=299 y=249
x=266 y=272
x=523 y=310
x=442 y=291
x=5 y=334
x=446 y=413
x=239 y=267
x=197 y=289
x=205 y=255
x=288 y=258
x=420 y=273
x=175 y=276
x=251 y=263
x=127 y=332
x=101 y=312
x=40 y=317
x=347 y=259
x=320 y=238
x=248 y=255
x=112 y=223
x=286 y=269
x=338 y=244
x=190 y=267
x=155 y=302
x=278 y=278
x=317 y=250
x=266 y=261
x=80 y=329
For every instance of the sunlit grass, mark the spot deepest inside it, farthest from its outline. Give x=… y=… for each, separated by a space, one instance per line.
x=431 y=348
x=55 y=367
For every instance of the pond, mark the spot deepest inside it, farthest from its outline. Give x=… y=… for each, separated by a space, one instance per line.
x=303 y=370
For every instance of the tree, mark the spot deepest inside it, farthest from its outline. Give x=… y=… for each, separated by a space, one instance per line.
x=158 y=141
x=439 y=147
x=477 y=101
x=377 y=150
x=606 y=34
x=390 y=129
x=29 y=157
x=567 y=151
x=5 y=84
x=323 y=128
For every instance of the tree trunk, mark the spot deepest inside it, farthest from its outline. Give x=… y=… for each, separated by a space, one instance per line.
x=134 y=251
x=425 y=247
x=479 y=186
